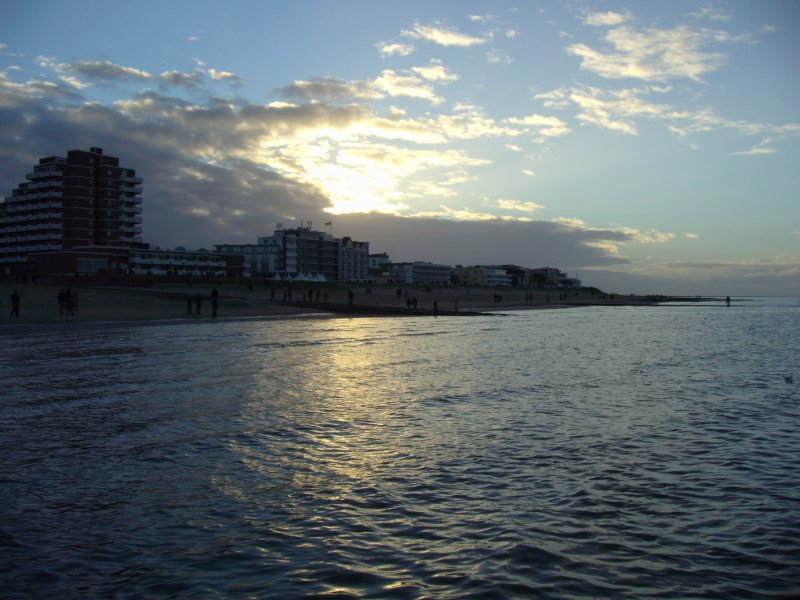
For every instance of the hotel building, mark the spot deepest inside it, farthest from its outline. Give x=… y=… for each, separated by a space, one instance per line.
x=78 y=213
x=303 y=252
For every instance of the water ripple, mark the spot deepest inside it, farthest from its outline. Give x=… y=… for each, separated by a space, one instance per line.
x=585 y=453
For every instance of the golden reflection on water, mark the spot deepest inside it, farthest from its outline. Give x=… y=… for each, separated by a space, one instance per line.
x=332 y=393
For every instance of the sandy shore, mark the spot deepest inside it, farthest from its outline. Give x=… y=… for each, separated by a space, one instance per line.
x=151 y=302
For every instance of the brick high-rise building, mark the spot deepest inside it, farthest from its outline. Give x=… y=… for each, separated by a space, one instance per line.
x=84 y=203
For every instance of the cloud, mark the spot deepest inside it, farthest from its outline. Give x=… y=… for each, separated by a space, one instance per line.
x=444 y=239
x=623 y=109
x=100 y=70
x=387 y=49
x=650 y=236
x=710 y=12
x=73 y=82
x=771 y=276
x=395 y=84
x=389 y=83
x=435 y=71
x=653 y=54
x=225 y=76
x=443 y=36
x=15 y=95
x=192 y=80
x=756 y=151
x=519 y=205
x=542 y=125
x=498 y=57
x=606 y=19
x=609 y=109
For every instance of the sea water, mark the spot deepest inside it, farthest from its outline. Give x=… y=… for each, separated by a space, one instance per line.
x=585 y=452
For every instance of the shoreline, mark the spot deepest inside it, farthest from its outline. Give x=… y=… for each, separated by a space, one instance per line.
x=104 y=304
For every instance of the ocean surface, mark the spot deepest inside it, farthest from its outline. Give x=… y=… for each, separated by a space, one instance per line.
x=577 y=453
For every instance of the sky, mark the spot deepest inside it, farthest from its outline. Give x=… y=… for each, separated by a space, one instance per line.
x=644 y=147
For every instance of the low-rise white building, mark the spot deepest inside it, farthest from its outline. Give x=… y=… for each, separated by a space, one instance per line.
x=483 y=276
x=421 y=273
x=183 y=262
x=260 y=260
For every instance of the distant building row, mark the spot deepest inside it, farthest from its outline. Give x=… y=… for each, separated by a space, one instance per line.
x=82 y=213
x=425 y=273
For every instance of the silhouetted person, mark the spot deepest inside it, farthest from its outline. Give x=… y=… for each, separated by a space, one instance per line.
x=435 y=307
x=727 y=300
x=14 y=304
x=214 y=304
x=189 y=305
x=350 y=297
x=198 y=304
x=68 y=308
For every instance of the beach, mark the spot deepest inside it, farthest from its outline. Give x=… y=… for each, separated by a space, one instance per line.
x=145 y=300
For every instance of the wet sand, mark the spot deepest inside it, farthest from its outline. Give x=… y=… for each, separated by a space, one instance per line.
x=168 y=301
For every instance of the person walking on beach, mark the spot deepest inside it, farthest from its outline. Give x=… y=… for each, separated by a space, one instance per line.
x=198 y=304
x=14 y=305
x=61 y=301
x=214 y=302
x=68 y=302
x=189 y=305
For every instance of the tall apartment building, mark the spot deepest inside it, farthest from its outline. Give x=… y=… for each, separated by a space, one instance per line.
x=305 y=252
x=308 y=251
x=84 y=202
